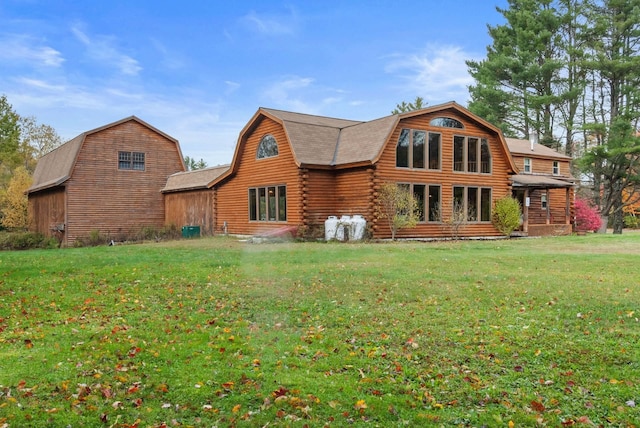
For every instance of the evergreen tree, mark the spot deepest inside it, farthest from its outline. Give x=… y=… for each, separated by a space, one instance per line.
x=516 y=85
x=404 y=107
x=612 y=159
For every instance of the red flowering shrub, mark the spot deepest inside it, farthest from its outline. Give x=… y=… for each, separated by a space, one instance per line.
x=587 y=217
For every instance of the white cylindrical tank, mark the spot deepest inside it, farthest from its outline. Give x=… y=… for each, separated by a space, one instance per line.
x=358 y=225
x=343 y=232
x=330 y=228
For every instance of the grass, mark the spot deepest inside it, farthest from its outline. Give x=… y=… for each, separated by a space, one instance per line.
x=214 y=332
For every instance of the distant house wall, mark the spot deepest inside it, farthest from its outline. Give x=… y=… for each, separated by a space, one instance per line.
x=542 y=165
x=280 y=170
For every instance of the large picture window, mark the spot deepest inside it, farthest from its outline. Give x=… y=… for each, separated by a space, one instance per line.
x=268 y=203
x=475 y=202
x=418 y=149
x=427 y=199
x=131 y=161
x=471 y=154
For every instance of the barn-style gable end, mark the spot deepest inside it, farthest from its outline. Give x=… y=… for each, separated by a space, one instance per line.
x=105 y=181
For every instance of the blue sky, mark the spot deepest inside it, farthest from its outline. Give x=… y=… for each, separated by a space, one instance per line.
x=199 y=70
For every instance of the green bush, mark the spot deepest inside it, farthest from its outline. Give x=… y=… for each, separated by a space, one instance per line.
x=506 y=215
x=631 y=222
x=26 y=241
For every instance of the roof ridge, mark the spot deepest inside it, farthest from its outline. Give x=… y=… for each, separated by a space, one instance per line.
x=310 y=114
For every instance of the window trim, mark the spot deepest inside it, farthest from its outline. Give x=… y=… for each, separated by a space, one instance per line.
x=555 y=168
x=261 y=211
x=528 y=166
x=132 y=161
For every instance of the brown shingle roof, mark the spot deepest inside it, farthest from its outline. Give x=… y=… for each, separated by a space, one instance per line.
x=330 y=142
x=191 y=180
x=56 y=167
x=523 y=147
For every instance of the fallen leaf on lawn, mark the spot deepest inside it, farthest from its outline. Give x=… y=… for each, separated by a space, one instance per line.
x=537 y=406
x=360 y=404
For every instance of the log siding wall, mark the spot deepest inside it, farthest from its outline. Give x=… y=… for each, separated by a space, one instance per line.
x=251 y=172
x=497 y=180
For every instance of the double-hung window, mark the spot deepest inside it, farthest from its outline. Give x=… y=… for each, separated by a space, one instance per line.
x=556 y=168
x=527 y=165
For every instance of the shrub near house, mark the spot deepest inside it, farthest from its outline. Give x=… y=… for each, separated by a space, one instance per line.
x=587 y=217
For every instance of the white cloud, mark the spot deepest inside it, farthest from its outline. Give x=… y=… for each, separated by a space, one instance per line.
x=272 y=24
x=231 y=86
x=103 y=50
x=23 y=48
x=438 y=73
x=288 y=94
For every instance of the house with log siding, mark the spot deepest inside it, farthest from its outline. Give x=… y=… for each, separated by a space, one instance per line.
x=293 y=170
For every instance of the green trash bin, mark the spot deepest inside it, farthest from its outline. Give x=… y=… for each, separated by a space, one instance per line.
x=190 y=231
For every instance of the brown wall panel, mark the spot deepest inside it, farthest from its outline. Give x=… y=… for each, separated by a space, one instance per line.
x=192 y=208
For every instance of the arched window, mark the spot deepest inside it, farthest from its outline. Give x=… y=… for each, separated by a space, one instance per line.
x=267 y=148
x=446 y=122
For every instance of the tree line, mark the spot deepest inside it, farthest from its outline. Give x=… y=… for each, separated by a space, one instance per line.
x=569 y=71
x=22 y=142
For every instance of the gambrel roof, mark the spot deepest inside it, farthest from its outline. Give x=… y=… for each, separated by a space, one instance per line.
x=325 y=142
x=56 y=167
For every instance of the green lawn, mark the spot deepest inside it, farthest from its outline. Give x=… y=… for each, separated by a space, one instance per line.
x=215 y=332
